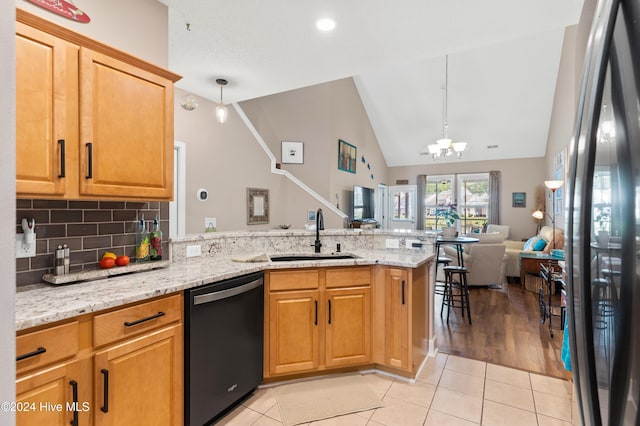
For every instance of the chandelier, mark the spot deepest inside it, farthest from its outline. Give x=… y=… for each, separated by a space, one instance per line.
x=446 y=147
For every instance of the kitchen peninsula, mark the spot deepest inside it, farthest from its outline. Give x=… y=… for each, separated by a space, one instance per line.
x=79 y=327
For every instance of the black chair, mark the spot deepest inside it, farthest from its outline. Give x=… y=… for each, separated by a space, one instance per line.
x=456 y=292
x=439 y=285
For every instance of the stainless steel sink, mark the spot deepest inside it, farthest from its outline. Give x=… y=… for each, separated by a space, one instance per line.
x=298 y=257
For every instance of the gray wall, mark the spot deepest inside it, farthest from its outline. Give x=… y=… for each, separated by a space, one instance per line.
x=519 y=175
x=226 y=159
x=7 y=207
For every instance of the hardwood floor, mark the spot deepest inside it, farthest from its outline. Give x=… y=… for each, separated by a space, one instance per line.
x=506 y=330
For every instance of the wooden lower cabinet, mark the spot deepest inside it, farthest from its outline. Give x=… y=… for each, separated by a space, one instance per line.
x=321 y=325
x=396 y=325
x=401 y=323
x=348 y=326
x=120 y=367
x=46 y=397
x=294 y=332
x=140 y=379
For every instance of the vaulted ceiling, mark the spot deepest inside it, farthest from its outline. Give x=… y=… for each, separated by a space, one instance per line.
x=503 y=63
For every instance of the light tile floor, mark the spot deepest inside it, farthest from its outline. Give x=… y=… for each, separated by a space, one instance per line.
x=449 y=391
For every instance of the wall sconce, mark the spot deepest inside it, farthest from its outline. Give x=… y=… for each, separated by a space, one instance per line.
x=222 y=113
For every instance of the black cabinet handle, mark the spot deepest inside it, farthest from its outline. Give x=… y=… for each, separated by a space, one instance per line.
x=315 y=322
x=403 y=292
x=105 y=391
x=38 y=351
x=62 y=158
x=329 y=311
x=89 y=160
x=131 y=324
x=74 y=390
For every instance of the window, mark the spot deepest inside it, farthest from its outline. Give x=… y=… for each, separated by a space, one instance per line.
x=473 y=201
x=469 y=192
x=439 y=191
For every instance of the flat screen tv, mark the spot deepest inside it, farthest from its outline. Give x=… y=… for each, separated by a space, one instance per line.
x=363 y=203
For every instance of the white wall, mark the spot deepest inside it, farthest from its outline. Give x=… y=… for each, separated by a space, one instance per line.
x=138 y=27
x=7 y=208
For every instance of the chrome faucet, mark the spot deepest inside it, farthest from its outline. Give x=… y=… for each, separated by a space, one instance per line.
x=319 y=226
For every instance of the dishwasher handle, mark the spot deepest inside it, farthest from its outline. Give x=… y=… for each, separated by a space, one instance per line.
x=224 y=294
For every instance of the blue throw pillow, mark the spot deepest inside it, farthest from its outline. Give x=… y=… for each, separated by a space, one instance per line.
x=529 y=244
x=540 y=245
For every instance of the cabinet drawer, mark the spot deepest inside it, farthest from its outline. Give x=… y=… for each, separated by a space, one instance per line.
x=348 y=277
x=46 y=346
x=136 y=319
x=293 y=280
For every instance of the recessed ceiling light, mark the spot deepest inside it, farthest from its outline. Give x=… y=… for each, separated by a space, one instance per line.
x=325 y=24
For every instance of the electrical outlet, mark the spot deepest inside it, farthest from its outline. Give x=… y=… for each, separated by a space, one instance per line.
x=410 y=244
x=23 y=250
x=194 y=251
x=209 y=223
x=392 y=243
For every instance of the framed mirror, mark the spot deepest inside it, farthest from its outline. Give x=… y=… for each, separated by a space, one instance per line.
x=257 y=206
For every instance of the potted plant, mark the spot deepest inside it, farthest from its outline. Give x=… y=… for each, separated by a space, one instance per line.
x=449 y=213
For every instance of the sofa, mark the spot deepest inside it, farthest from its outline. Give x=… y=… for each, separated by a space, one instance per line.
x=485 y=259
x=539 y=243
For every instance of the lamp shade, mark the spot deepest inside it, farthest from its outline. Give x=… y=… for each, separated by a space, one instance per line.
x=538 y=214
x=222 y=113
x=553 y=184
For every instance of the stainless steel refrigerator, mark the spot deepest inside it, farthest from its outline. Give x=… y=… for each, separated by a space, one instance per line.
x=603 y=222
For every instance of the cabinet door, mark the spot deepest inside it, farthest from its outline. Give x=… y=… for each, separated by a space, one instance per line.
x=397 y=294
x=293 y=331
x=126 y=133
x=46 y=397
x=46 y=113
x=348 y=326
x=140 y=379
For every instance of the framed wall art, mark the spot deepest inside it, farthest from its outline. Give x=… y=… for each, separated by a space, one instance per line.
x=347 y=155
x=257 y=206
x=292 y=152
x=519 y=199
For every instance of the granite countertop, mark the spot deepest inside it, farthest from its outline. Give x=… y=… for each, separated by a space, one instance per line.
x=40 y=304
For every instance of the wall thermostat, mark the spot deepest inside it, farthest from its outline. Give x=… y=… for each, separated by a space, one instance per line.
x=202 y=194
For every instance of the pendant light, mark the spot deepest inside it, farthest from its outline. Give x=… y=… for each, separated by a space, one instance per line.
x=188 y=101
x=446 y=147
x=222 y=113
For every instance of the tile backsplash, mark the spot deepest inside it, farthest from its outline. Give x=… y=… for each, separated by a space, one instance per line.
x=89 y=228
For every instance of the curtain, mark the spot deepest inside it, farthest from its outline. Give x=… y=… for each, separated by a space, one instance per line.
x=421 y=190
x=494 y=198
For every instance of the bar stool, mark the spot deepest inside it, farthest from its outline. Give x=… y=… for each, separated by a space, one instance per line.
x=604 y=297
x=439 y=286
x=461 y=296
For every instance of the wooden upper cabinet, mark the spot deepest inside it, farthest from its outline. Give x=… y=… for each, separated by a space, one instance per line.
x=46 y=112
x=92 y=122
x=126 y=130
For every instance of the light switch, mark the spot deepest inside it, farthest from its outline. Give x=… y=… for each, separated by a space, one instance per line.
x=392 y=243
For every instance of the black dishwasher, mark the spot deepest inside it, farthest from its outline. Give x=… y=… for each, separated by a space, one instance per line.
x=223 y=341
